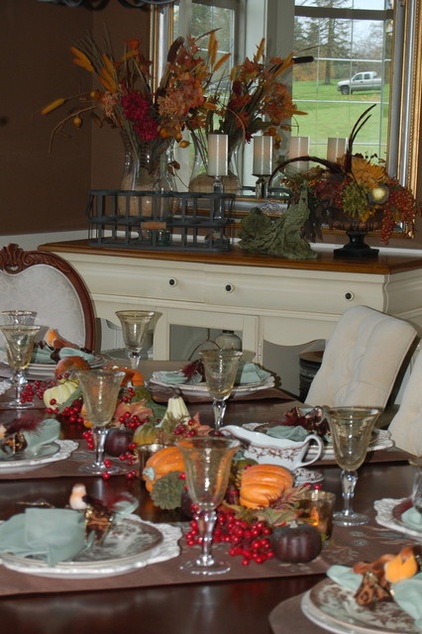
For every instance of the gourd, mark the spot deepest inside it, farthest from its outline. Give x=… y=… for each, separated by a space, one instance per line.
x=402 y=566
x=60 y=393
x=296 y=543
x=160 y=463
x=262 y=484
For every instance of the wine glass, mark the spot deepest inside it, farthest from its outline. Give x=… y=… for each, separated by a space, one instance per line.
x=23 y=317
x=207 y=462
x=100 y=390
x=19 y=345
x=135 y=325
x=220 y=368
x=351 y=429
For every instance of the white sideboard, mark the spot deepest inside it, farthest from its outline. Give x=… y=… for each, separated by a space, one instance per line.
x=268 y=301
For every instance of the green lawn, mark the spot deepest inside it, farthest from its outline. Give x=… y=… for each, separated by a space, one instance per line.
x=331 y=114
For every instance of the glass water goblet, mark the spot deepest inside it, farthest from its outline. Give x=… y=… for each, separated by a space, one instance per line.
x=19 y=346
x=207 y=462
x=135 y=326
x=100 y=391
x=220 y=367
x=351 y=429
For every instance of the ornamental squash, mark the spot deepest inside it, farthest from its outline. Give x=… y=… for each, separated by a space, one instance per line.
x=160 y=463
x=262 y=484
x=60 y=393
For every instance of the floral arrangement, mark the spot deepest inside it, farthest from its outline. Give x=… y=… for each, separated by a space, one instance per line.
x=193 y=94
x=357 y=189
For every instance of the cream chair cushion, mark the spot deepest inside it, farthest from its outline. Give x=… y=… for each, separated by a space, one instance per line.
x=362 y=359
x=406 y=426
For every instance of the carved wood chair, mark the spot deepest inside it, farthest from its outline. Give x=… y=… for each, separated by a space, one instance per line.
x=362 y=359
x=49 y=285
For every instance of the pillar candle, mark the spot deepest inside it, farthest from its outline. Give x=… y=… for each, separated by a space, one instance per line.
x=299 y=146
x=217 y=154
x=262 y=155
x=336 y=149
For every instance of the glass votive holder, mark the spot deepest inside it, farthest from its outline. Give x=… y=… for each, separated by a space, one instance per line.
x=316 y=507
x=145 y=452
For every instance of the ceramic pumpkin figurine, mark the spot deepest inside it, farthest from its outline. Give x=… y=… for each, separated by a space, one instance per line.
x=262 y=484
x=160 y=463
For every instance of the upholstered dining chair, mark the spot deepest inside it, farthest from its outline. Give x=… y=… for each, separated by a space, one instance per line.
x=362 y=359
x=48 y=284
x=406 y=426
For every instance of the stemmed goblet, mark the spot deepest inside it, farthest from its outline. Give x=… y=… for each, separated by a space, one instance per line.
x=220 y=367
x=207 y=462
x=23 y=317
x=100 y=390
x=135 y=325
x=19 y=346
x=351 y=429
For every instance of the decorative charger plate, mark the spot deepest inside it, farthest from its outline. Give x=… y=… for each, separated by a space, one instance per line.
x=389 y=514
x=201 y=389
x=51 y=452
x=334 y=608
x=130 y=544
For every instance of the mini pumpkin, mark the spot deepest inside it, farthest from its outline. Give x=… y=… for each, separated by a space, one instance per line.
x=296 y=543
x=262 y=484
x=160 y=463
x=60 y=393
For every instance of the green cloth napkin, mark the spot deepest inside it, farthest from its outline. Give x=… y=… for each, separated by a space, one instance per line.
x=176 y=377
x=250 y=373
x=412 y=518
x=407 y=594
x=46 y=432
x=43 y=355
x=53 y=535
x=295 y=433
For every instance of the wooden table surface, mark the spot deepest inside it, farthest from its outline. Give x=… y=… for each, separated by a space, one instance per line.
x=206 y=607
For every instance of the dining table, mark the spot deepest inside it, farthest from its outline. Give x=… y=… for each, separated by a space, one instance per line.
x=160 y=598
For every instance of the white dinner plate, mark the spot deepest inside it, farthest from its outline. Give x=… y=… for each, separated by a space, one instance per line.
x=46 y=370
x=335 y=609
x=389 y=514
x=51 y=452
x=130 y=544
x=201 y=389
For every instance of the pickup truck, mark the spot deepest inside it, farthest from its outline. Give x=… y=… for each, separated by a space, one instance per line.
x=367 y=80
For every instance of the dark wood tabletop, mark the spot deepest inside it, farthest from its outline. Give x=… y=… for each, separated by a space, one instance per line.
x=205 y=607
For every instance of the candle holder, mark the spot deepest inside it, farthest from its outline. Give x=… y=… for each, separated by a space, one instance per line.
x=261 y=186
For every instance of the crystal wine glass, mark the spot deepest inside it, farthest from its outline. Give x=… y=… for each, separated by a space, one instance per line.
x=220 y=368
x=351 y=429
x=19 y=345
x=135 y=325
x=23 y=317
x=207 y=465
x=100 y=390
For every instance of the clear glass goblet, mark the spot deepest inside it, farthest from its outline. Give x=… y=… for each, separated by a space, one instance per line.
x=220 y=367
x=135 y=326
x=207 y=465
x=19 y=346
x=351 y=429
x=23 y=317
x=100 y=391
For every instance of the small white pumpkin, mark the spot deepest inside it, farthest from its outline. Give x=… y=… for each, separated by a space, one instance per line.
x=60 y=392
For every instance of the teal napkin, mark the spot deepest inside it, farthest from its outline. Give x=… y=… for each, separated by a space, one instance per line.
x=250 y=373
x=176 y=377
x=52 y=535
x=289 y=432
x=412 y=518
x=407 y=594
x=43 y=355
x=46 y=432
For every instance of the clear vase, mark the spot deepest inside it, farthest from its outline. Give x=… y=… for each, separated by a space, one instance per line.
x=146 y=169
x=201 y=182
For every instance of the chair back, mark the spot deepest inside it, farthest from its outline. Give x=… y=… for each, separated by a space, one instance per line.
x=362 y=359
x=406 y=426
x=49 y=285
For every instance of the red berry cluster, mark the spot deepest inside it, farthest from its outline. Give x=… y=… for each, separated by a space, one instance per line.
x=186 y=430
x=248 y=540
x=35 y=389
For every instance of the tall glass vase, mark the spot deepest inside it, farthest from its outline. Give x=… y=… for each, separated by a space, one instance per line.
x=201 y=182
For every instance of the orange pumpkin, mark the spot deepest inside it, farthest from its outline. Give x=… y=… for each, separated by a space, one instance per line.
x=402 y=566
x=160 y=463
x=69 y=364
x=262 y=484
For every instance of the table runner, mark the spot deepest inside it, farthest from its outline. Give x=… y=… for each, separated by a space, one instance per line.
x=346 y=547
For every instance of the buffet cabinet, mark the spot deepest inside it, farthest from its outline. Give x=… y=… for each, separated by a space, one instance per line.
x=275 y=305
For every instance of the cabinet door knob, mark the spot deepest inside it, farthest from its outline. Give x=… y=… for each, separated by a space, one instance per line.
x=229 y=288
x=172 y=282
x=349 y=296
